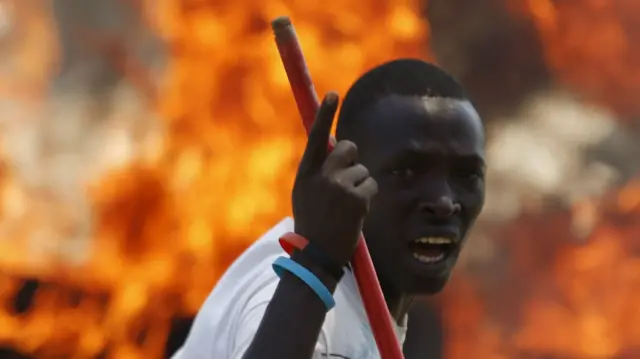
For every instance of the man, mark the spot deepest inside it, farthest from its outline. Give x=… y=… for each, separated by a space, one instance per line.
x=408 y=170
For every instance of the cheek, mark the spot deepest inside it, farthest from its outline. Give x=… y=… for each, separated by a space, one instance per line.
x=390 y=202
x=472 y=203
x=385 y=213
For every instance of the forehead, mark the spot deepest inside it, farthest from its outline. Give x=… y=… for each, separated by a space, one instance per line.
x=421 y=123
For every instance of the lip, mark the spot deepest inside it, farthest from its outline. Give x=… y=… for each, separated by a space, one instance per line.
x=438 y=268
x=443 y=266
x=445 y=232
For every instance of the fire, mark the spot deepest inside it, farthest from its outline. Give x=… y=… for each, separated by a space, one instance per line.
x=231 y=162
x=590 y=45
x=559 y=295
x=27 y=33
x=562 y=294
x=170 y=222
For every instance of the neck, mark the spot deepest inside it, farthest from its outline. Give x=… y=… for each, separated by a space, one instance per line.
x=397 y=302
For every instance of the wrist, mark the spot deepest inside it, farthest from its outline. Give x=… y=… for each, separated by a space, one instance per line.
x=316 y=269
x=292 y=242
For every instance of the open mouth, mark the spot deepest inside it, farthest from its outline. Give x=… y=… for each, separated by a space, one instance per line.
x=431 y=250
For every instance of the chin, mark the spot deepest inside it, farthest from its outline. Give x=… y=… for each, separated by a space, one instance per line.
x=415 y=284
x=428 y=286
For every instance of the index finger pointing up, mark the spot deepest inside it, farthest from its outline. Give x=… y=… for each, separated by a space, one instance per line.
x=316 y=150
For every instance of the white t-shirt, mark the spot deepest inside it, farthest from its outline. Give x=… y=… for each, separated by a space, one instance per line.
x=229 y=318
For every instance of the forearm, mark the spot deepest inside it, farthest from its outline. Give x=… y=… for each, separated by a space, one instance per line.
x=293 y=319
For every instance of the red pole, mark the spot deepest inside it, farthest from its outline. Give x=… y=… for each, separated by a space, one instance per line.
x=308 y=104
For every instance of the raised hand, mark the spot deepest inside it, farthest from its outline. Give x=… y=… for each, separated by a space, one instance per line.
x=332 y=191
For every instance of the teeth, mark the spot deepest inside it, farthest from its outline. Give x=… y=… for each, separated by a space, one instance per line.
x=427 y=259
x=434 y=240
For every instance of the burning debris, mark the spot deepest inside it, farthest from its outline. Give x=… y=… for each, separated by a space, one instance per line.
x=124 y=208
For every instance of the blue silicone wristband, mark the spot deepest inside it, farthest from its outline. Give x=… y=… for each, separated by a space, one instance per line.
x=283 y=263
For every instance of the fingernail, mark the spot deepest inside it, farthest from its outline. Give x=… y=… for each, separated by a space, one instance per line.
x=331 y=97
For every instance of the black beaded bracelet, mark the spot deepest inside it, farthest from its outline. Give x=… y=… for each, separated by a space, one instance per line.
x=319 y=257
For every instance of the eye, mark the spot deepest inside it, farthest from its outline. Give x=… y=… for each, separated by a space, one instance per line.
x=403 y=172
x=472 y=175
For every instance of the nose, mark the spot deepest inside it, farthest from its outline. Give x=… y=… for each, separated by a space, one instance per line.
x=444 y=207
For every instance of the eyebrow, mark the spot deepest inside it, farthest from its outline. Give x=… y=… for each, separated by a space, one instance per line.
x=475 y=159
x=470 y=157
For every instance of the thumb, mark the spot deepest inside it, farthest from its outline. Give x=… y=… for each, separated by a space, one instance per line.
x=316 y=150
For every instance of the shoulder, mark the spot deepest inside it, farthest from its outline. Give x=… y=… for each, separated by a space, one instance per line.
x=251 y=273
x=260 y=253
x=248 y=283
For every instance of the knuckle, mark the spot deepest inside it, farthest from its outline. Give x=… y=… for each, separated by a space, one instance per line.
x=363 y=194
x=370 y=188
x=374 y=187
x=349 y=146
x=335 y=181
x=360 y=196
x=362 y=169
x=374 y=183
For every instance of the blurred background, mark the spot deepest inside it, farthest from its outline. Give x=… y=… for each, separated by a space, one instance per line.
x=145 y=143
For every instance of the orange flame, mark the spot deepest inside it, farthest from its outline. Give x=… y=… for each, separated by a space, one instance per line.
x=590 y=44
x=26 y=34
x=559 y=296
x=169 y=223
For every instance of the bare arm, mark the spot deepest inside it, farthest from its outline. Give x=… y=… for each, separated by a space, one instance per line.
x=292 y=321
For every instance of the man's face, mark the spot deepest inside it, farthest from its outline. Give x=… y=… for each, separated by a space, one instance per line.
x=427 y=155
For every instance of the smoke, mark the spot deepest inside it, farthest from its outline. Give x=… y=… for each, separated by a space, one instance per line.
x=541 y=154
x=90 y=121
